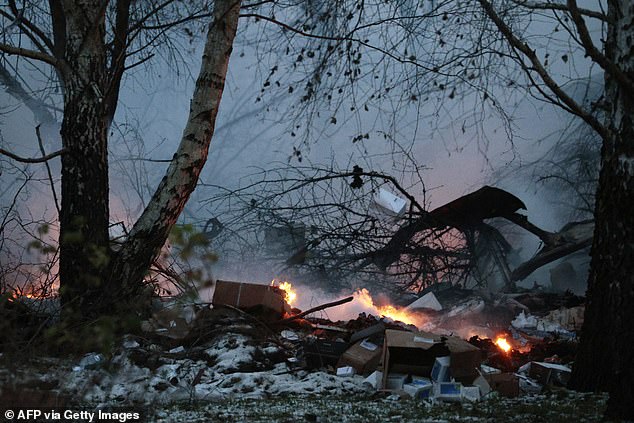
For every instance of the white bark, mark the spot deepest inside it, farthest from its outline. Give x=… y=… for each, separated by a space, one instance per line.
x=151 y=230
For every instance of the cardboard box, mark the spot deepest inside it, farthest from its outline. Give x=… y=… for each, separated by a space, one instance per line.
x=321 y=353
x=465 y=360
x=249 y=295
x=506 y=384
x=364 y=356
x=414 y=353
x=550 y=373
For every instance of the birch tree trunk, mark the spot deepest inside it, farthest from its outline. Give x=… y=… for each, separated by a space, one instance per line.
x=84 y=249
x=605 y=359
x=132 y=261
x=94 y=280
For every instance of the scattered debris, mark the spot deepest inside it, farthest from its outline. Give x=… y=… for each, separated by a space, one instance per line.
x=427 y=301
x=549 y=373
x=249 y=342
x=90 y=361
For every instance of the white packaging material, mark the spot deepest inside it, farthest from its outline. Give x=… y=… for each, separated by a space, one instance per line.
x=370 y=346
x=289 y=335
x=428 y=301
x=390 y=203
x=471 y=393
x=522 y=321
x=528 y=385
x=488 y=370
x=525 y=368
x=347 y=371
x=374 y=379
x=483 y=385
x=440 y=371
x=419 y=389
x=448 y=391
x=395 y=381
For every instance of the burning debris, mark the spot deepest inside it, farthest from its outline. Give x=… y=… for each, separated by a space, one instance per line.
x=289 y=293
x=503 y=344
x=249 y=341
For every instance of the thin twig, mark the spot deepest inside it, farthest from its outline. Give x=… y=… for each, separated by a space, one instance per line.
x=48 y=168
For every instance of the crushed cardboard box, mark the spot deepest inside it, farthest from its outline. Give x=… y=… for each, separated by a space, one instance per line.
x=414 y=353
x=363 y=356
x=249 y=295
x=506 y=384
x=549 y=373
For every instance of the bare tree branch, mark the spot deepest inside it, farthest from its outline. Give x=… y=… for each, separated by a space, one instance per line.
x=117 y=62
x=547 y=256
x=58 y=20
x=30 y=54
x=316 y=309
x=562 y=7
x=38 y=107
x=19 y=20
x=539 y=68
x=30 y=160
x=594 y=53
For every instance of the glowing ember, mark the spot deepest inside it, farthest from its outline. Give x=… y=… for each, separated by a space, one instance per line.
x=503 y=344
x=290 y=295
x=17 y=295
x=394 y=313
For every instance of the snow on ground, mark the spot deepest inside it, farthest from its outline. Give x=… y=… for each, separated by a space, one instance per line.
x=230 y=366
x=561 y=406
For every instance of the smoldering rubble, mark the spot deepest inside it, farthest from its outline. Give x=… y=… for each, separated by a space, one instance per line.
x=249 y=343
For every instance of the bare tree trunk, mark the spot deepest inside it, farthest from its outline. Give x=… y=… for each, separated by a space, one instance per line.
x=606 y=352
x=84 y=249
x=152 y=229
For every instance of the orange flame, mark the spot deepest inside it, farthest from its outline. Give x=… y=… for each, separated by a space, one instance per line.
x=394 y=313
x=16 y=295
x=290 y=295
x=503 y=344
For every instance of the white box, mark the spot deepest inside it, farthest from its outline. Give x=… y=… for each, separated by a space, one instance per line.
x=448 y=391
x=347 y=371
x=419 y=388
x=395 y=381
x=374 y=380
x=471 y=393
x=390 y=203
x=440 y=371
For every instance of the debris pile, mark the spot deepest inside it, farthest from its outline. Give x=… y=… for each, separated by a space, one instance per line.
x=249 y=342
